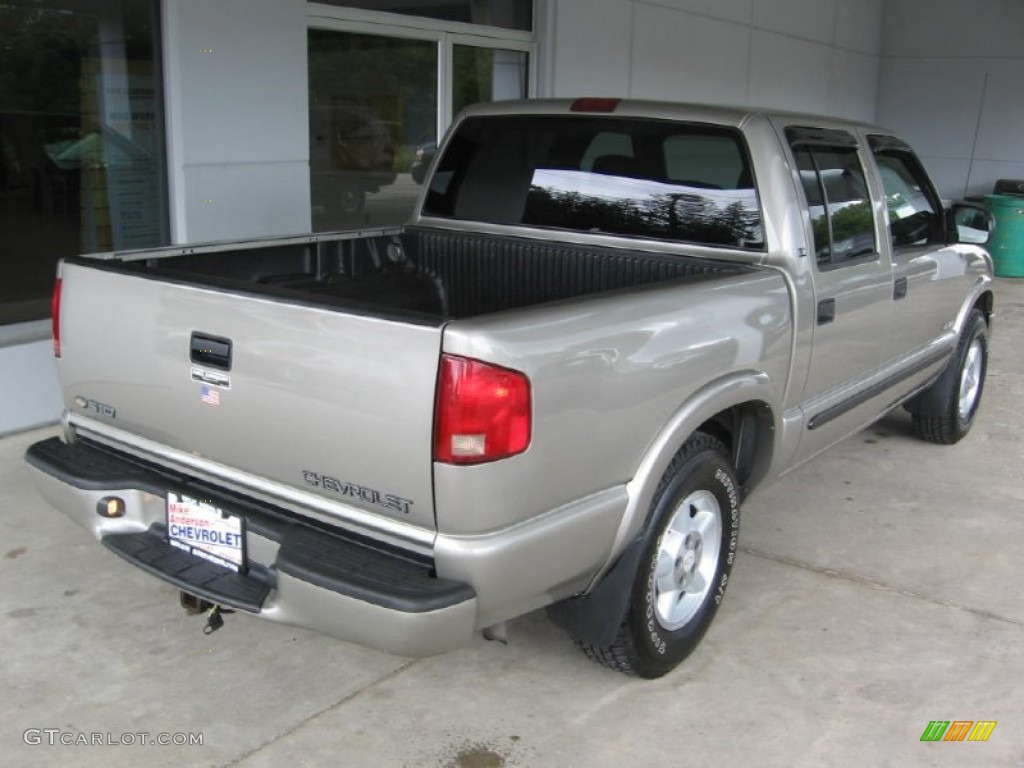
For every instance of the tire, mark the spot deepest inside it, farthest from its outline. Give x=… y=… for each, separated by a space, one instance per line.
x=351 y=199
x=696 y=517
x=944 y=413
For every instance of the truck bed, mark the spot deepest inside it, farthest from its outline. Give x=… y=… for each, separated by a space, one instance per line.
x=422 y=275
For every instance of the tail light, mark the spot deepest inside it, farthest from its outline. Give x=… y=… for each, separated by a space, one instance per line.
x=55 y=314
x=591 y=104
x=483 y=412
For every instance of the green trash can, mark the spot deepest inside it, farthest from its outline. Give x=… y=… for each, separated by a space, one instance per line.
x=1007 y=242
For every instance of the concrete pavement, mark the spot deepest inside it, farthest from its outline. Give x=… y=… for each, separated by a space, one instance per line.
x=878 y=589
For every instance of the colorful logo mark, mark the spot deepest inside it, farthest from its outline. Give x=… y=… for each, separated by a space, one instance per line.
x=958 y=730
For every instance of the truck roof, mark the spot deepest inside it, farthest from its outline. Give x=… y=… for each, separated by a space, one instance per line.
x=607 y=106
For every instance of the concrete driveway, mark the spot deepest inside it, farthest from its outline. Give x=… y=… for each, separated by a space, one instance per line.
x=879 y=589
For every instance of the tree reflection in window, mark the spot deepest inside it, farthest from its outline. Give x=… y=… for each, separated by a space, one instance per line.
x=587 y=201
x=837 y=196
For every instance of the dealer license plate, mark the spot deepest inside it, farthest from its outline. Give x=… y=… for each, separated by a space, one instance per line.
x=205 y=530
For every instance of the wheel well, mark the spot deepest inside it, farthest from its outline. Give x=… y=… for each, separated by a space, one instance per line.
x=747 y=432
x=984 y=303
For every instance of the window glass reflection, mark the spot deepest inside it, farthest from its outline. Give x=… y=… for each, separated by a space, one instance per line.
x=913 y=218
x=600 y=175
x=487 y=74
x=815 y=204
x=840 y=206
x=611 y=200
x=81 y=142
x=372 y=105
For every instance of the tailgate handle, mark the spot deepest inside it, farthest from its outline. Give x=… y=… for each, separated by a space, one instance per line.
x=214 y=351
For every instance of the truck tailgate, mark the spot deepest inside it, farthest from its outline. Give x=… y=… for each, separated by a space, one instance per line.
x=335 y=404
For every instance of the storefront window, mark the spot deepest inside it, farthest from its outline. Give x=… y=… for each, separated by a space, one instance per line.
x=510 y=14
x=373 y=117
x=81 y=144
x=372 y=104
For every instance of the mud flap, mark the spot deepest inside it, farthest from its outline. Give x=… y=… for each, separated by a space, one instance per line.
x=595 y=617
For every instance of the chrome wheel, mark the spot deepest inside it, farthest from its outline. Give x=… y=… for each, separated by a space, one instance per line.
x=682 y=561
x=687 y=559
x=970 y=380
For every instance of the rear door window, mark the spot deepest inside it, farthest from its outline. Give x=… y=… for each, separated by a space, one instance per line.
x=838 y=201
x=645 y=178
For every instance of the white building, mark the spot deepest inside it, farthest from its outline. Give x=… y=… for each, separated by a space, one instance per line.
x=129 y=123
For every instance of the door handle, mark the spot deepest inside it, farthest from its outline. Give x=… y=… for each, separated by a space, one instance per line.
x=826 y=311
x=214 y=351
x=899 y=289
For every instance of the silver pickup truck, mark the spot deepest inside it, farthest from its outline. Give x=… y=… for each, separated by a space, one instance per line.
x=607 y=323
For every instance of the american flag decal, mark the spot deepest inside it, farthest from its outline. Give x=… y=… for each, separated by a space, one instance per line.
x=209 y=395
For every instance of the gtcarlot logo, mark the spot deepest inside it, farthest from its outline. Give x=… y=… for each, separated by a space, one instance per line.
x=958 y=730
x=56 y=737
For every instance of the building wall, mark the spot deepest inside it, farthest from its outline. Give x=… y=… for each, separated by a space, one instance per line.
x=238 y=136
x=807 y=55
x=29 y=395
x=944 y=73
x=953 y=84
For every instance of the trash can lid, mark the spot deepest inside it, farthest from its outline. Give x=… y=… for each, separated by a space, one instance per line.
x=1009 y=187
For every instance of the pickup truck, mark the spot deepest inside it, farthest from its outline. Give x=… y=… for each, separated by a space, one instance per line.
x=606 y=324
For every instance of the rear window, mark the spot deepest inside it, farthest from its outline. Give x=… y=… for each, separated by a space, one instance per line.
x=645 y=178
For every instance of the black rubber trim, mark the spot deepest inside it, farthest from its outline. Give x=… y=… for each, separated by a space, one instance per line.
x=149 y=551
x=837 y=410
x=367 y=574
x=799 y=135
x=82 y=466
x=885 y=143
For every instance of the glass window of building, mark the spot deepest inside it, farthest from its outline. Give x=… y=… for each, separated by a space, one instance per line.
x=372 y=103
x=380 y=94
x=487 y=74
x=81 y=140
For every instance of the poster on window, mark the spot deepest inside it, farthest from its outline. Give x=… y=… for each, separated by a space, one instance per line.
x=122 y=205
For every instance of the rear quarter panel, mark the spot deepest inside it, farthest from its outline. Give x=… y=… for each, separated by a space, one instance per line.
x=607 y=374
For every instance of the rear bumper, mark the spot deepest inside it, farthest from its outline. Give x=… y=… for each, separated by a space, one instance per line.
x=298 y=573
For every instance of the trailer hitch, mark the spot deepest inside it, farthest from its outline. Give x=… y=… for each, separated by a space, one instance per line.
x=196 y=606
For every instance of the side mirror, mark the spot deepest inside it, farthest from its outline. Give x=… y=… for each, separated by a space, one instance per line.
x=969 y=223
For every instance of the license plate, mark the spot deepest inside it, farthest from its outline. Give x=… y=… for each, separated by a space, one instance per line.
x=203 y=529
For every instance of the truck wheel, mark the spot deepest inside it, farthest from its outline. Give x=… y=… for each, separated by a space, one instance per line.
x=351 y=199
x=945 y=411
x=686 y=563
